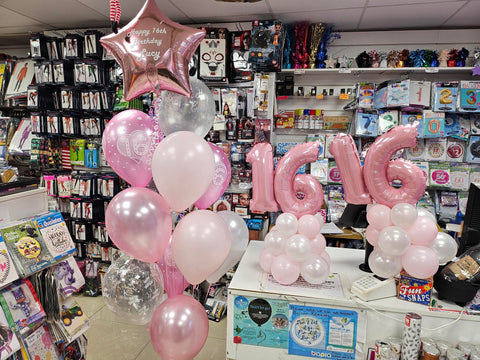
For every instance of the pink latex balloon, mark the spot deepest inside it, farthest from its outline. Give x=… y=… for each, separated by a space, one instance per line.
x=378 y=216
x=266 y=258
x=420 y=261
x=284 y=270
x=153 y=52
x=372 y=235
x=423 y=231
x=379 y=171
x=261 y=158
x=287 y=184
x=179 y=328
x=393 y=240
x=298 y=247
x=183 y=167
x=138 y=221
x=200 y=244
x=128 y=141
x=220 y=181
x=286 y=223
x=326 y=257
x=173 y=281
x=309 y=226
x=344 y=150
x=318 y=244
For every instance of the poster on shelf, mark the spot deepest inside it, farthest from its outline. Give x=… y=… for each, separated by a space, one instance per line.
x=322 y=332
x=260 y=322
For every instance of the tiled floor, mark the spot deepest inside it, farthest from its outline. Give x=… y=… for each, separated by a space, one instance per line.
x=111 y=339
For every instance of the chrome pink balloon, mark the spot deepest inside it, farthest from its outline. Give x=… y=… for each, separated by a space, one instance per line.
x=183 y=167
x=379 y=171
x=173 y=280
x=420 y=261
x=220 y=181
x=287 y=184
x=261 y=158
x=153 y=52
x=200 y=244
x=138 y=221
x=344 y=150
x=128 y=141
x=179 y=328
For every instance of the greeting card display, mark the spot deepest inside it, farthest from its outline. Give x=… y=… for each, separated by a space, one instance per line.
x=8 y=273
x=21 y=306
x=439 y=174
x=457 y=125
x=39 y=344
x=469 y=96
x=459 y=177
x=55 y=234
x=27 y=247
x=433 y=124
x=266 y=51
x=455 y=150
x=445 y=96
x=417 y=152
x=473 y=153
x=436 y=149
x=9 y=342
x=213 y=55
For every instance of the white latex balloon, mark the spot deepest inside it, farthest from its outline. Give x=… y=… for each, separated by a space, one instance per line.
x=298 y=247
x=315 y=269
x=403 y=215
x=286 y=223
x=275 y=242
x=445 y=246
x=426 y=213
x=393 y=241
x=384 y=265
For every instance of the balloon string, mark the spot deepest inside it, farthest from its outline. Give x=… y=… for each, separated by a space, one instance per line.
x=115 y=13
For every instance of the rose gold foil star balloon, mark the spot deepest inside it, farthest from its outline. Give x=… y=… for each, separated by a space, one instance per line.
x=153 y=52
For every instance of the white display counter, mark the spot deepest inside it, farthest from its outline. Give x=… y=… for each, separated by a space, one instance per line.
x=377 y=319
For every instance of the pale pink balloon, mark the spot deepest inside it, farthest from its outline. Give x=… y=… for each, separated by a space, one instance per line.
x=309 y=226
x=284 y=270
x=139 y=222
x=261 y=158
x=372 y=235
x=128 y=142
x=378 y=216
x=315 y=269
x=403 y=215
x=379 y=171
x=286 y=223
x=318 y=244
x=220 y=181
x=420 y=261
x=173 y=280
x=423 y=231
x=275 y=242
x=344 y=150
x=384 y=265
x=183 y=167
x=393 y=240
x=200 y=244
x=179 y=328
x=326 y=257
x=266 y=258
x=298 y=247
x=287 y=184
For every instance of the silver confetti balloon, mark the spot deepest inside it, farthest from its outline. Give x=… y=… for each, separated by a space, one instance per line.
x=133 y=289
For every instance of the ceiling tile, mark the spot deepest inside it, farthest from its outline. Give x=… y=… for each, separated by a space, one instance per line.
x=11 y=18
x=408 y=16
x=23 y=30
x=342 y=20
x=467 y=16
x=404 y=2
x=212 y=9
x=282 y=6
x=51 y=11
x=233 y=19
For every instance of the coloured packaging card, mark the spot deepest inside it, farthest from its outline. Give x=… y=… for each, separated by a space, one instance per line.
x=419 y=93
x=8 y=273
x=474 y=177
x=410 y=118
x=9 y=343
x=69 y=277
x=457 y=125
x=433 y=124
x=387 y=120
x=333 y=173
x=439 y=174
x=366 y=123
x=445 y=96
x=73 y=318
x=417 y=152
x=283 y=147
x=473 y=153
x=365 y=93
x=474 y=123
x=398 y=94
x=319 y=169
x=455 y=150
x=55 y=234
x=380 y=98
x=328 y=141
x=435 y=149
x=321 y=143
x=40 y=345
x=77 y=152
x=459 y=177
x=424 y=166
x=469 y=96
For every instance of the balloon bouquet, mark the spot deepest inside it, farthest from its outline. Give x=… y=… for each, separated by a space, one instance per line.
x=403 y=237
x=154 y=53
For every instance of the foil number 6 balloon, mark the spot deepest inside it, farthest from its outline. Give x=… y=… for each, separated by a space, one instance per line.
x=374 y=179
x=286 y=185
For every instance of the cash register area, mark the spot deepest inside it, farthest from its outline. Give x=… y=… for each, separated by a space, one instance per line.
x=109 y=338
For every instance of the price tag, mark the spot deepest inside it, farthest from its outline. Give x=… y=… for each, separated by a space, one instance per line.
x=344 y=96
x=431 y=69
x=344 y=71
x=299 y=71
x=320 y=96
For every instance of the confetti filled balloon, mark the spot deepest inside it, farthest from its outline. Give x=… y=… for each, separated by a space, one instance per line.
x=133 y=289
